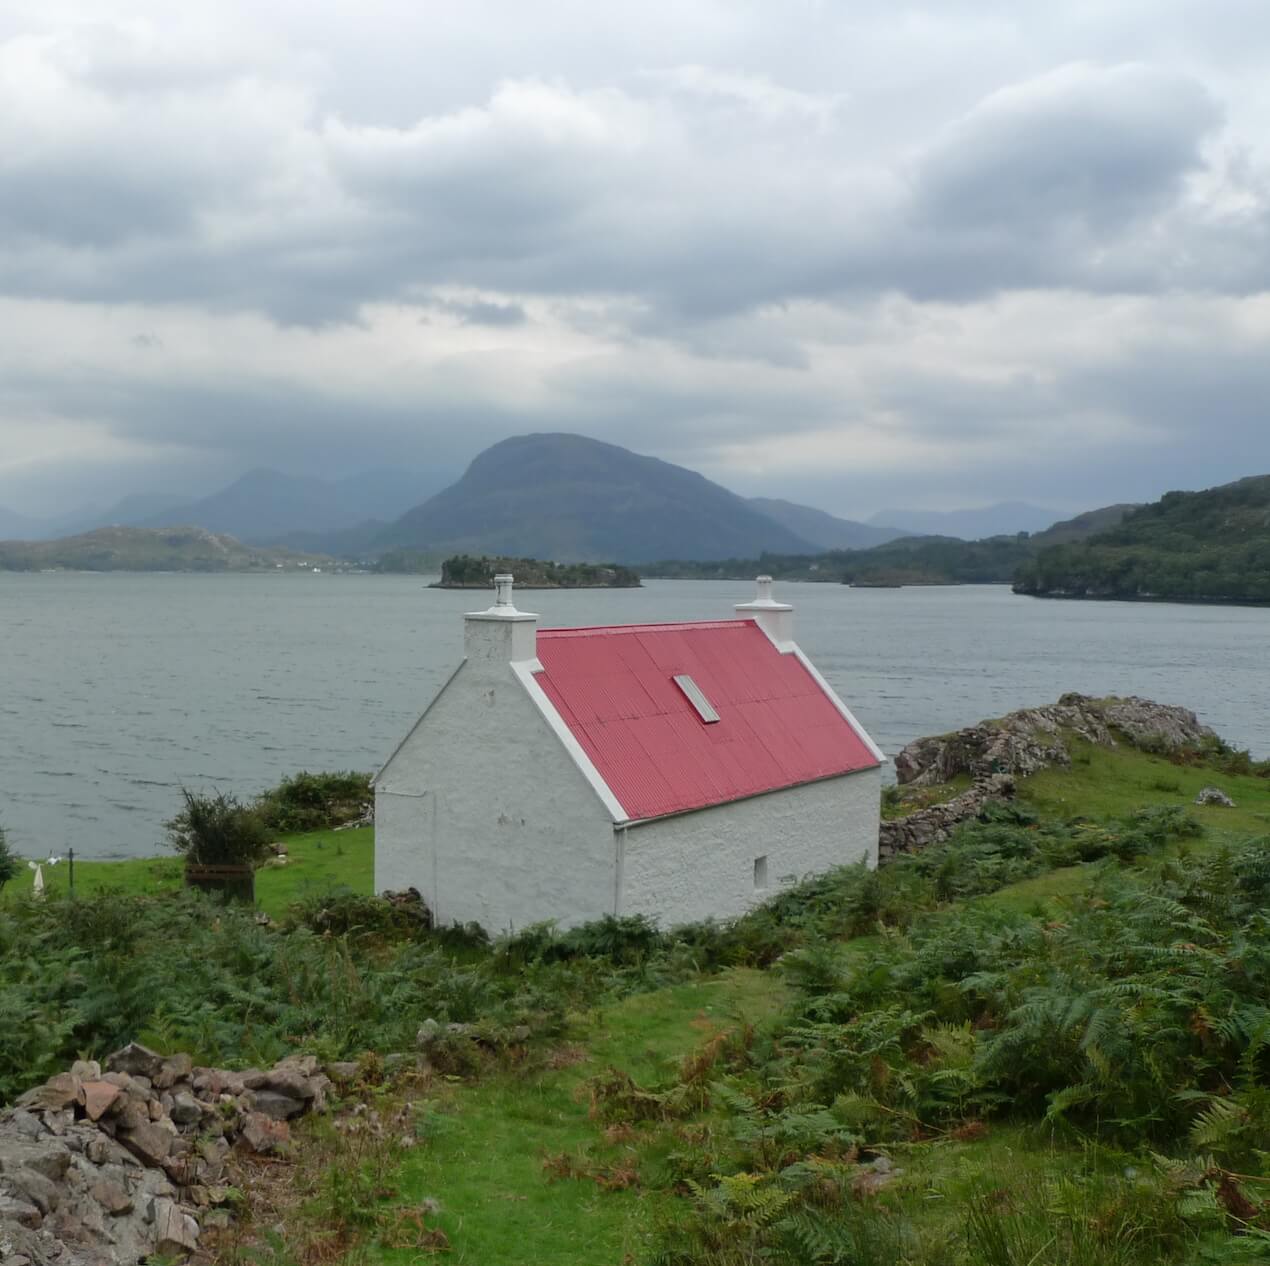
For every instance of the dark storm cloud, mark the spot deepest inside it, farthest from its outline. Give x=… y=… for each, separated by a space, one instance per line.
x=679 y=232
x=548 y=190
x=483 y=312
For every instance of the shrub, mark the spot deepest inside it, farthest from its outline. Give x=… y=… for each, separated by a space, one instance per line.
x=8 y=862
x=217 y=830
x=315 y=802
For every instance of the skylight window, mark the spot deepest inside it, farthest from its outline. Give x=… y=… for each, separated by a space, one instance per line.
x=694 y=695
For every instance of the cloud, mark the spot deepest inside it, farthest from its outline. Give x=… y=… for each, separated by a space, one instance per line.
x=847 y=239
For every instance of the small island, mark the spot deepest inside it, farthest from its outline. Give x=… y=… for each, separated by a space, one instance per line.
x=464 y=571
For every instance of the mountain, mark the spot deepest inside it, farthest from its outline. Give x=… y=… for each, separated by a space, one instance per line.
x=1005 y=518
x=1211 y=546
x=19 y=527
x=146 y=549
x=822 y=529
x=266 y=506
x=570 y=498
x=133 y=509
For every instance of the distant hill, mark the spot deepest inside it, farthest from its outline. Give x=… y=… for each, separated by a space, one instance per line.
x=822 y=529
x=147 y=549
x=1005 y=518
x=130 y=511
x=1083 y=525
x=570 y=498
x=1211 y=546
x=267 y=507
x=908 y=560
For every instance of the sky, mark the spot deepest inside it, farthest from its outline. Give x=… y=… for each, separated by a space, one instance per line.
x=857 y=254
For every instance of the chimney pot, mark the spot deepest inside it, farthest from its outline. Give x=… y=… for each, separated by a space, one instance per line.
x=776 y=619
x=500 y=633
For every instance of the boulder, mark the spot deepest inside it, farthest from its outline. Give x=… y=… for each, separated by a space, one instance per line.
x=98 y=1097
x=112 y=1197
x=30 y=1185
x=277 y=1107
x=175 y=1231
x=135 y=1060
x=149 y=1143
x=173 y=1069
x=343 y=1072
x=264 y=1136
x=185 y=1109
x=1214 y=795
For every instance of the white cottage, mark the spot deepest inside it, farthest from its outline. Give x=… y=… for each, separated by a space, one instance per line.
x=679 y=771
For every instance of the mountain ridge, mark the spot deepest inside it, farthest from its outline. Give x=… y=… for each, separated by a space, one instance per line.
x=822 y=528
x=571 y=498
x=977 y=523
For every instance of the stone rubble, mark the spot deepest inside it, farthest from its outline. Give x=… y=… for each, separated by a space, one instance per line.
x=995 y=753
x=112 y=1163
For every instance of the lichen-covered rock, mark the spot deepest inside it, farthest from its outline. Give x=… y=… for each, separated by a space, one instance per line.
x=1036 y=738
x=1214 y=795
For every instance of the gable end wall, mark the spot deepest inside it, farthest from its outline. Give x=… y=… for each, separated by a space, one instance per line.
x=485 y=813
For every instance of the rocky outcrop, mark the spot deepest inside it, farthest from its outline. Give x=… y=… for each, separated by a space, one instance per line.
x=995 y=753
x=1036 y=738
x=108 y=1165
x=935 y=824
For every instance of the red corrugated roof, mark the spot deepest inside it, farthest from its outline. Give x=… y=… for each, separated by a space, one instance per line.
x=615 y=690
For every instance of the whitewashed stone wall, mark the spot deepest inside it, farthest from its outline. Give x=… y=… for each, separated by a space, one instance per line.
x=701 y=865
x=484 y=812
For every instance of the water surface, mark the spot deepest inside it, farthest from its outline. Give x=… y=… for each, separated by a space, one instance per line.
x=118 y=689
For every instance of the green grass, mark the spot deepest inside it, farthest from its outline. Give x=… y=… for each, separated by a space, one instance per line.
x=486 y=1146
x=485 y=1142
x=1106 y=782
x=317 y=862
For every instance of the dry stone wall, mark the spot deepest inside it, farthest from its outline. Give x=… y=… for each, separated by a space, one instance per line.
x=106 y=1165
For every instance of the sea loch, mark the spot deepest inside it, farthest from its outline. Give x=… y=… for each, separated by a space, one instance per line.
x=115 y=690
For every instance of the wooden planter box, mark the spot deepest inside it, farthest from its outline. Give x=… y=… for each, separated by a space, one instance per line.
x=235 y=883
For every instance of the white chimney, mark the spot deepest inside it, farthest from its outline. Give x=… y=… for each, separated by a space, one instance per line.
x=776 y=619
x=500 y=633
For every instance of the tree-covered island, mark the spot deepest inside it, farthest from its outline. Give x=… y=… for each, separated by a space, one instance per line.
x=465 y=571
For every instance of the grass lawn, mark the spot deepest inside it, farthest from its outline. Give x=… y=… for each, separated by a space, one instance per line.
x=317 y=862
x=487 y=1144
x=1104 y=782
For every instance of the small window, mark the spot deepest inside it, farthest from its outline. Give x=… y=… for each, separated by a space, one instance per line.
x=760 y=872
x=695 y=697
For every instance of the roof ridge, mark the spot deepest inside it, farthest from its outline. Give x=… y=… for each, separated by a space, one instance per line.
x=602 y=630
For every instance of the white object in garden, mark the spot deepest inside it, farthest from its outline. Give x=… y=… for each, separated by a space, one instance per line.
x=37 y=884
